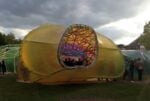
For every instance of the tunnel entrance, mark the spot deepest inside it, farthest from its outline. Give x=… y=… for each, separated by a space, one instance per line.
x=78 y=47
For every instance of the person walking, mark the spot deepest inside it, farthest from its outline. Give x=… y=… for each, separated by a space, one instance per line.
x=3 y=67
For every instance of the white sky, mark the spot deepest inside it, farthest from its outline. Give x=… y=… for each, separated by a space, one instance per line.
x=132 y=27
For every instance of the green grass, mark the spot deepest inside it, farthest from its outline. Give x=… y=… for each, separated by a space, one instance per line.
x=10 y=90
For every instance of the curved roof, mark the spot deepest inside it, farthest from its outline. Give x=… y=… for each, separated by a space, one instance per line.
x=51 y=34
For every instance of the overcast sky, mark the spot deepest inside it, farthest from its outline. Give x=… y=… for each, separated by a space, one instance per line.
x=120 y=20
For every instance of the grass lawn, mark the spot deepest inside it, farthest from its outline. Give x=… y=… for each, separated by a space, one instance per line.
x=10 y=90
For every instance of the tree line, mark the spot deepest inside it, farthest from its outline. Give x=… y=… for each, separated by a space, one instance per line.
x=145 y=38
x=8 y=39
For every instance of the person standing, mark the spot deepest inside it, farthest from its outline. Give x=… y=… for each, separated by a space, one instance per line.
x=0 y=67
x=140 y=68
x=126 y=74
x=3 y=67
x=131 y=70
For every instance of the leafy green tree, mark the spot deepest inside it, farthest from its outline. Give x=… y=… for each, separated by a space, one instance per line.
x=18 y=41
x=145 y=38
x=2 y=39
x=8 y=39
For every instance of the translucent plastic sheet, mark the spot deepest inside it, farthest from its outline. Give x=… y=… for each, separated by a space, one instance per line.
x=144 y=55
x=43 y=54
x=9 y=53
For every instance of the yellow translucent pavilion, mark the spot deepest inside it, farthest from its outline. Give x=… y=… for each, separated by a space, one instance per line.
x=56 y=54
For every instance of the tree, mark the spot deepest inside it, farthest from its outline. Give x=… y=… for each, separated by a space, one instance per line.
x=2 y=39
x=144 y=40
x=8 y=39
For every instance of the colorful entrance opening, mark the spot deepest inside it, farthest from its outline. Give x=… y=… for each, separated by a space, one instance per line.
x=78 y=47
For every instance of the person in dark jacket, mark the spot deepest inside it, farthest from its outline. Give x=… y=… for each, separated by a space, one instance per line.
x=126 y=74
x=140 y=68
x=131 y=70
x=3 y=67
x=0 y=67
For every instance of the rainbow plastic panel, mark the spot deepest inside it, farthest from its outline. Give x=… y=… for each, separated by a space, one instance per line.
x=55 y=54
